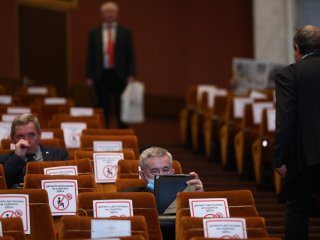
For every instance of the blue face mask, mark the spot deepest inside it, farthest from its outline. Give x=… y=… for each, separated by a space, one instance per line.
x=150 y=185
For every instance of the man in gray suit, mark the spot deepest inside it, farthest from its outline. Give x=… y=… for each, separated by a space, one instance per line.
x=297 y=146
x=25 y=134
x=110 y=61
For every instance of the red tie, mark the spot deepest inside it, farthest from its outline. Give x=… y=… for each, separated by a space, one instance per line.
x=110 y=47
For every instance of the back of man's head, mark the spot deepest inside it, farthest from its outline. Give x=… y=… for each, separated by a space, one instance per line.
x=308 y=39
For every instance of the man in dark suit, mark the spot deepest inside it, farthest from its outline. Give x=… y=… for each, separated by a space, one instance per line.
x=297 y=146
x=110 y=61
x=25 y=134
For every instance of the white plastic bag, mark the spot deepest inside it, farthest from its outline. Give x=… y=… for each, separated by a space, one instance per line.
x=132 y=103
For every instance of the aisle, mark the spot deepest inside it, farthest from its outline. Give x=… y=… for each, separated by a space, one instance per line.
x=165 y=133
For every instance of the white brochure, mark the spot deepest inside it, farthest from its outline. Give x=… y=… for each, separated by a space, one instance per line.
x=225 y=228
x=107 y=229
x=18 y=110
x=5 y=129
x=62 y=196
x=271 y=119
x=106 y=166
x=37 y=90
x=105 y=146
x=16 y=205
x=8 y=117
x=112 y=208
x=72 y=133
x=5 y=99
x=55 y=100
x=209 y=207
x=81 y=111
x=62 y=170
x=46 y=135
x=239 y=104
x=257 y=109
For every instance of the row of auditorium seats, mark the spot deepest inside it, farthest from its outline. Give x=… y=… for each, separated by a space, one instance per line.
x=145 y=222
x=236 y=130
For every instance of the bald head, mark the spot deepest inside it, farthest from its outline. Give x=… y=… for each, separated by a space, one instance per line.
x=109 y=12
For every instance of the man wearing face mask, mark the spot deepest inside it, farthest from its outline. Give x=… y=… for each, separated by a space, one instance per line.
x=158 y=161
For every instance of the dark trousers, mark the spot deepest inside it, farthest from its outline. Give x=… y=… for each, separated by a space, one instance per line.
x=109 y=88
x=300 y=192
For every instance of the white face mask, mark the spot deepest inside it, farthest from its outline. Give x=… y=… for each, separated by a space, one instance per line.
x=150 y=184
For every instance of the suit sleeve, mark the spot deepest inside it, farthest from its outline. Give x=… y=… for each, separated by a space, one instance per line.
x=131 y=55
x=286 y=103
x=13 y=168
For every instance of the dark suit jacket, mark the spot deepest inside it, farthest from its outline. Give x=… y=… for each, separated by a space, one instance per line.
x=298 y=116
x=123 y=53
x=14 y=165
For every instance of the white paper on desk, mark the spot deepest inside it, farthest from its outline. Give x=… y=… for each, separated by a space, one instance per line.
x=37 y=90
x=8 y=117
x=225 y=228
x=55 y=100
x=81 y=111
x=110 y=228
x=62 y=195
x=105 y=146
x=254 y=94
x=16 y=205
x=62 y=170
x=5 y=99
x=239 y=104
x=46 y=135
x=18 y=110
x=257 y=109
x=5 y=129
x=72 y=133
x=209 y=207
x=271 y=119
x=112 y=208
x=106 y=166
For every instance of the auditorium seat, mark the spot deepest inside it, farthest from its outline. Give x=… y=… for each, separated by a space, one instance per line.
x=84 y=166
x=41 y=223
x=85 y=184
x=143 y=204
x=193 y=227
x=186 y=113
x=12 y=227
x=128 y=141
x=106 y=131
x=127 y=154
x=79 y=227
x=240 y=202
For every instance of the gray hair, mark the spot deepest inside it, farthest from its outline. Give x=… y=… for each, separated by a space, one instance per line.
x=153 y=152
x=22 y=120
x=308 y=39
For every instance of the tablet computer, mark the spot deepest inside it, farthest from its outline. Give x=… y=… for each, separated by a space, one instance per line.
x=166 y=188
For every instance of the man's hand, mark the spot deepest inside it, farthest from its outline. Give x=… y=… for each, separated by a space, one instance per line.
x=21 y=148
x=196 y=181
x=282 y=170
